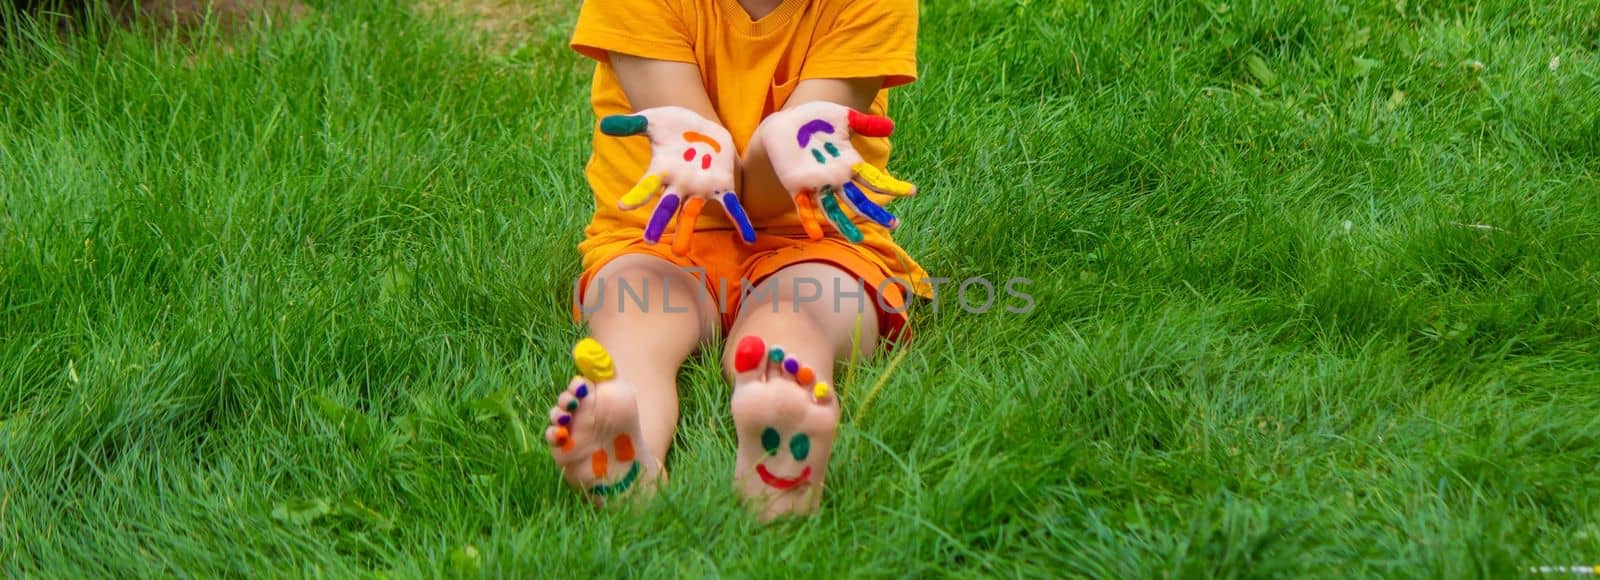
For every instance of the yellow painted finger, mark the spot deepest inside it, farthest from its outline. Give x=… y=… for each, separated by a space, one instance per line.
x=808 y=215
x=686 y=218
x=641 y=192
x=594 y=363
x=882 y=182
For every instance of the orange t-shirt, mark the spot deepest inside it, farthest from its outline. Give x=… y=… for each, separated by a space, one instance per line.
x=749 y=69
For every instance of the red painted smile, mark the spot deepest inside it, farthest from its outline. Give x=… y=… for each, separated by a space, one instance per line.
x=779 y=482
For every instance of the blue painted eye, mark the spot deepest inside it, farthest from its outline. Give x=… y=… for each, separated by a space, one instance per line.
x=818 y=155
x=770 y=440
x=800 y=446
x=834 y=151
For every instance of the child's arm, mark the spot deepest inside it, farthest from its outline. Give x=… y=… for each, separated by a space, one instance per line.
x=854 y=93
x=864 y=46
x=692 y=156
x=660 y=83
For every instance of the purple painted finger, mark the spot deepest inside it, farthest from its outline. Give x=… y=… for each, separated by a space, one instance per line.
x=665 y=209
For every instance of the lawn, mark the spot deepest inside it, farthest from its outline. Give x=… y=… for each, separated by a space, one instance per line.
x=1317 y=292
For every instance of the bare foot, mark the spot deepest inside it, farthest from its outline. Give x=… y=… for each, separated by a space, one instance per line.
x=594 y=431
x=786 y=431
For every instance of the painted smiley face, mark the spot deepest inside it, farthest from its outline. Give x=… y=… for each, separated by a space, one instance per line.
x=799 y=447
x=811 y=129
x=600 y=463
x=690 y=153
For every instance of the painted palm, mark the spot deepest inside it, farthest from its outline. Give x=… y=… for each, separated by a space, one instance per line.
x=811 y=153
x=692 y=160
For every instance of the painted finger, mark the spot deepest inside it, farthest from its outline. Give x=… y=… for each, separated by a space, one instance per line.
x=658 y=220
x=865 y=206
x=882 y=182
x=870 y=125
x=808 y=215
x=730 y=204
x=686 y=219
x=836 y=216
x=642 y=191
x=624 y=125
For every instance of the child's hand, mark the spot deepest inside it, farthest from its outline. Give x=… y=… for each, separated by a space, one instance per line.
x=811 y=153
x=693 y=159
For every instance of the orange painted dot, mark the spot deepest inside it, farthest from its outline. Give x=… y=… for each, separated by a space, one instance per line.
x=598 y=463
x=624 y=446
x=805 y=375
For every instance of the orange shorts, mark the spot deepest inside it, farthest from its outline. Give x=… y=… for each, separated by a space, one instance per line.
x=722 y=261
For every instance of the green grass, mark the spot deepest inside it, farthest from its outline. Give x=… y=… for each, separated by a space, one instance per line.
x=1316 y=291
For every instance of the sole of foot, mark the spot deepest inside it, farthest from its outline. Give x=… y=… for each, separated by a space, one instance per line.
x=786 y=432
x=594 y=432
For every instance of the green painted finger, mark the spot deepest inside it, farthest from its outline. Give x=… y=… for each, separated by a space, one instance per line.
x=830 y=208
x=623 y=125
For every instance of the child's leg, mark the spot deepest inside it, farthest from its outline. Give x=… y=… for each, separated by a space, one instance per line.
x=611 y=434
x=785 y=431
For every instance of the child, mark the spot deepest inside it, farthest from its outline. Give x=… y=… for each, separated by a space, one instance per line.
x=751 y=105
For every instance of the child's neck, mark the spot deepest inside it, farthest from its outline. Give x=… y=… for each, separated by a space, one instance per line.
x=759 y=8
